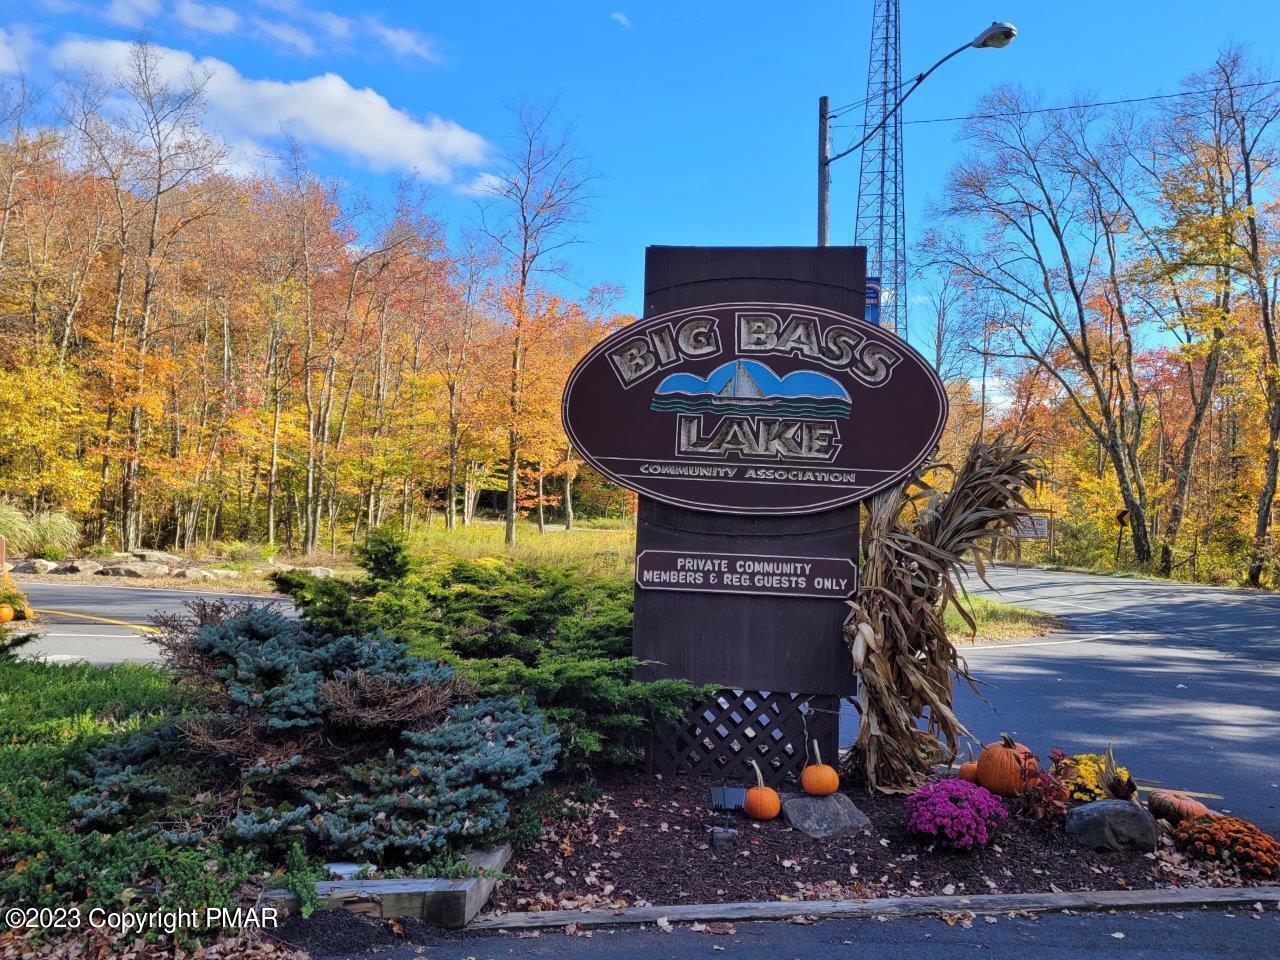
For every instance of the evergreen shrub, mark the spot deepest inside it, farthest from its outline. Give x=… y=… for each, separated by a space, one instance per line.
x=347 y=744
x=557 y=634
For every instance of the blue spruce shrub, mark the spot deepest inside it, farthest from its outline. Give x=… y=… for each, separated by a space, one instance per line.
x=348 y=742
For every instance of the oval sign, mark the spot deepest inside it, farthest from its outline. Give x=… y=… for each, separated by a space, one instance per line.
x=754 y=408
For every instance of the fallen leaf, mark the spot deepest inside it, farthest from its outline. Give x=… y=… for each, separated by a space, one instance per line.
x=1118 y=935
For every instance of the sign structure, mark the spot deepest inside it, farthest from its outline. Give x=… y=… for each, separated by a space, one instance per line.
x=752 y=574
x=1032 y=527
x=754 y=408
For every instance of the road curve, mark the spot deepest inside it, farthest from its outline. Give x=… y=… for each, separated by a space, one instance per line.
x=106 y=623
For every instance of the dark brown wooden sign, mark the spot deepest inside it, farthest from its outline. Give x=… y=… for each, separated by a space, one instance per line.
x=754 y=407
x=755 y=574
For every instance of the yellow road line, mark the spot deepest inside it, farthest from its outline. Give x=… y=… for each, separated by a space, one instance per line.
x=142 y=628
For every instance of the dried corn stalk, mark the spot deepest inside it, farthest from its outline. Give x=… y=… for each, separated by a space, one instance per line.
x=914 y=542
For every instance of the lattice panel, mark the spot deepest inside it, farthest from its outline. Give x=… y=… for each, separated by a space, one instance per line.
x=725 y=733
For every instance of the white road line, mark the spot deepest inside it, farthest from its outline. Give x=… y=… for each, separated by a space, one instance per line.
x=1039 y=643
x=93 y=636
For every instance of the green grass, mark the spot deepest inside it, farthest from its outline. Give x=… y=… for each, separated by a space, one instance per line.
x=601 y=550
x=49 y=716
x=998 y=621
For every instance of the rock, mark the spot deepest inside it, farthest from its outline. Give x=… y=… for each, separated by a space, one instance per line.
x=6 y=567
x=157 y=556
x=139 y=571
x=822 y=817
x=222 y=573
x=79 y=566
x=722 y=838
x=35 y=565
x=1113 y=825
x=273 y=567
x=322 y=573
x=192 y=573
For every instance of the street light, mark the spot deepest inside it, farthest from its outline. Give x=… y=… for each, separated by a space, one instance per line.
x=993 y=37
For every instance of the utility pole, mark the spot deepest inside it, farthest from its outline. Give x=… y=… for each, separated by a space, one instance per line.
x=824 y=171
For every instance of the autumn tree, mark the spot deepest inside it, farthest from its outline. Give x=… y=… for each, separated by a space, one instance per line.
x=536 y=198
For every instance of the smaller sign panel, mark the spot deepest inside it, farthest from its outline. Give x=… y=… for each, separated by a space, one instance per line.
x=1031 y=528
x=873 y=300
x=756 y=574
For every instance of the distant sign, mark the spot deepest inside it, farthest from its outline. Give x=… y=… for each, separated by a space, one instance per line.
x=1031 y=528
x=755 y=574
x=754 y=408
x=873 y=300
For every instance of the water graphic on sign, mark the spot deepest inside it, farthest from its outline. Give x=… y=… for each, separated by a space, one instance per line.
x=751 y=387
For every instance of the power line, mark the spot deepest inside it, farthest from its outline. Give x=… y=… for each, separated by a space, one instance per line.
x=1099 y=103
x=1075 y=106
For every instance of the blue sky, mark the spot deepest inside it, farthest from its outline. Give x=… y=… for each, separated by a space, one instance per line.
x=700 y=116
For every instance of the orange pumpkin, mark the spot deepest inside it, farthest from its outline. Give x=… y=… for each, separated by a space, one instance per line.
x=1000 y=766
x=762 y=803
x=6 y=612
x=819 y=779
x=969 y=771
x=1175 y=807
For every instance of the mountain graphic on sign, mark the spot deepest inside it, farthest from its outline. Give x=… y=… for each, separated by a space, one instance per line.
x=751 y=387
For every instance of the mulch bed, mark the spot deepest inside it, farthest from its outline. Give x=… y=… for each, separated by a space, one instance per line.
x=646 y=841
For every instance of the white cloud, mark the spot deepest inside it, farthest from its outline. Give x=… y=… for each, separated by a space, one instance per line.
x=321 y=111
x=132 y=13
x=206 y=17
x=9 y=60
x=336 y=26
x=621 y=18
x=405 y=43
x=288 y=35
x=482 y=185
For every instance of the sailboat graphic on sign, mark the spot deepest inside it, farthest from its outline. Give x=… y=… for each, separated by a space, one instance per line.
x=751 y=387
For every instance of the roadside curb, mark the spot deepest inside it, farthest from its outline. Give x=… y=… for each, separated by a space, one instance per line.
x=889 y=907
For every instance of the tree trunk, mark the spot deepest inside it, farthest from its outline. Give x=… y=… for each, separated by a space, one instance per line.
x=568 y=499
x=542 y=519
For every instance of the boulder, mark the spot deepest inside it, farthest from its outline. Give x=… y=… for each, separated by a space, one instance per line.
x=321 y=572
x=821 y=817
x=222 y=573
x=192 y=573
x=139 y=571
x=79 y=566
x=1113 y=825
x=35 y=565
x=156 y=556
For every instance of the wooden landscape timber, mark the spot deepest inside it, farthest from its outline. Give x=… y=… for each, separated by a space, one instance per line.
x=891 y=907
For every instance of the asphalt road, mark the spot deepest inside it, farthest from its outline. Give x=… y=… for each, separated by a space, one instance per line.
x=103 y=624
x=1201 y=935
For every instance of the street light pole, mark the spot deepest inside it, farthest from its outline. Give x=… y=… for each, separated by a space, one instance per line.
x=995 y=36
